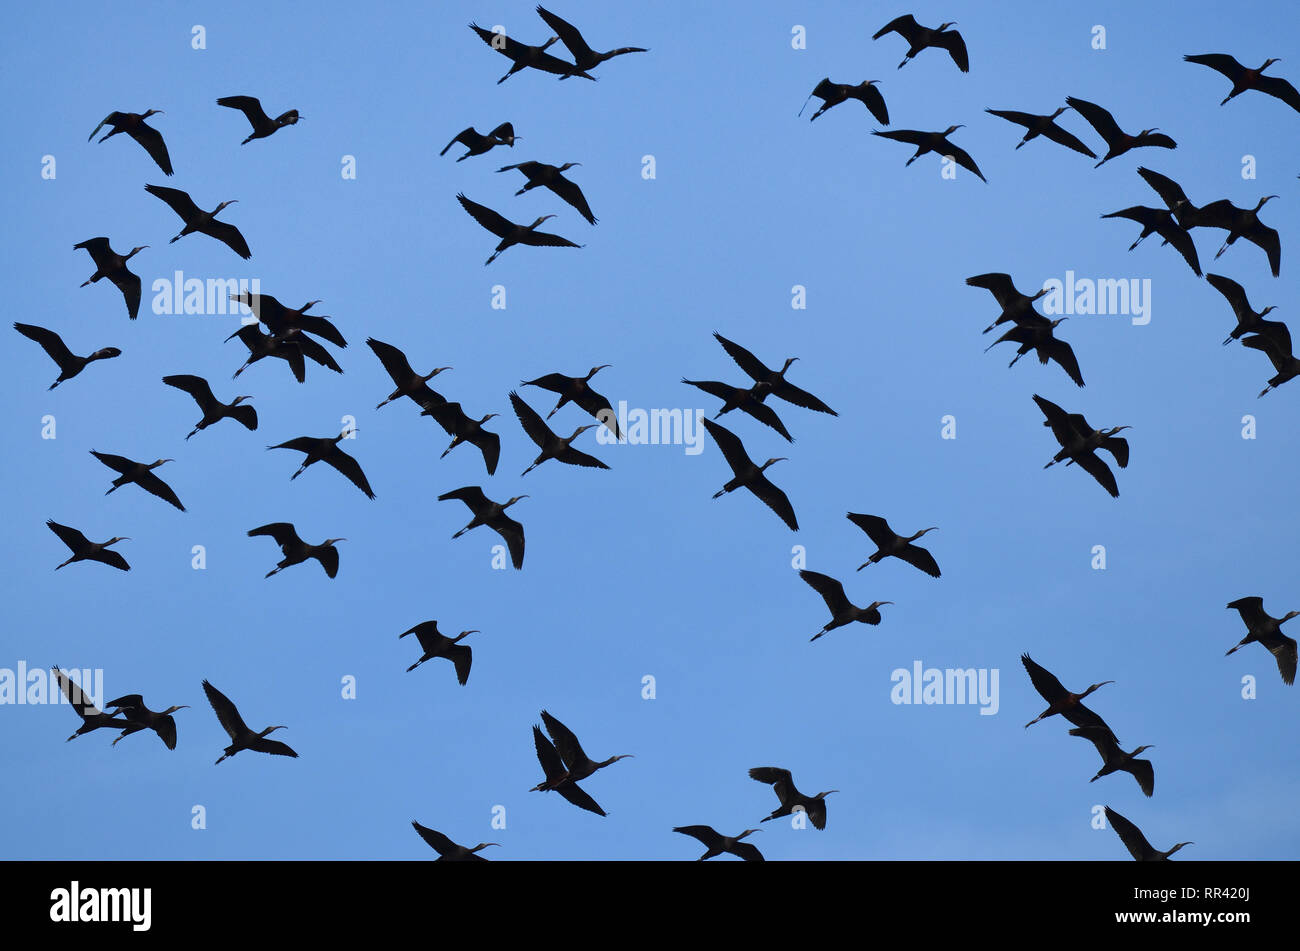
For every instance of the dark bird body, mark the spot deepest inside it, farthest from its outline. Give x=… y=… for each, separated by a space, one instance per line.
x=1284 y=360
x=492 y=514
x=782 y=783
x=408 y=382
x=1045 y=126
x=1244 y=79
x=1263 y=629
x=1248 y=321
x=1080 y=441
x=577 y=389
x=139 y=717
x=213 y=409
x=83 y=549
x=478 y=144
x=1117 y=140
x=1115 y=760
x=1245 y=223
x=919 y=37
x=92 y=718
x=449 y=851
x=938 y=143
x=843 y=611
x=523 y=56
x=1161 y=222
x=1016 y=307
x=1059 y=700
x=141 y=473
x=201 y=222
x=326 y=449
x=577 y=763
x=463 y=428
x=69 y=363
x=436 y=644
x=551 y=445
x=584 y=57
x=1135 y=841
x=749 y=401
x=241 y=737
x=263 y=125
x=262 y=345
x=296 y=551
x=149 y=138
x=890 y=543
x=832 y=94
x=749 y=475
x=541 y=175
x=280 y=319
x=557 y=776
x=109 y=264
x=769 y=381
x=718 y=844
x=511 y=233
x=1039 y=337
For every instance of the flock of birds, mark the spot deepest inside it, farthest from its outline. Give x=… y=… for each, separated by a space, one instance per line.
x=295 y=336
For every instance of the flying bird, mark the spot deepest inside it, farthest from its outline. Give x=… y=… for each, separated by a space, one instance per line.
x=1284 y=361
x=465 y=429
x=69 y=363
x=1244 y=79
x=1117 y=140
x=92 y=718
x=557 y=776
x=1039 y=337
x=919 y=37
x=109 y=264
x=584 y=57
x=477 y=144
x=280 y=319
x=745 y=473
x=436 y=644
x=296 y=551
x=449 y=851
x=326 y=449
x=492 y=514
x=792 y=800
x=1016 y=307
x=843 y=611
x=140 y=717
x=1135 y=841
x=522 y=55
x=541 y=175
x=262 y=345
x=749 y=401
x=1045 y=126
x=1263 y=629
x=1164 y=223
x=1080 y=441
x=202 y=222
x=890 y=543
x=832 y=94
x=213 y=409
x=83 y=549
x=141 y=473
x=241 y=737
x=938 y=143
x=263 y=125
x=577 y=389
x=1116 y=760
x=133 y=124
x=718 y=844
x=408 y=382
x=577 y=763
x=511 y=233
x=1059 y=700
x=1248 y=321
x=1245 y=223
x=551 y=445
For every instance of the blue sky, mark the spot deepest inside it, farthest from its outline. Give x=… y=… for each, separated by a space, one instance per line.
x=636 y=572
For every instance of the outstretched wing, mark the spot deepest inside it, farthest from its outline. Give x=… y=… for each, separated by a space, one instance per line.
x=1062 y=137
x=471 y=495
x=1044 y=681
x=532 y=423
x=151 y=141
x=485 y=216
x=1096 y=467
x=566 y=742
x=156 y=486
x=1098 y=118
x=179 y=201
x=877 y=528
x=952 y=41
x=732 y=448
x=226 y=713
x=436 y=840
x=905 y=26
x=196 y=386
x=752 y=366
x=50 y=342
x=832 y=593
x=249 y=106
x=573 y=195
x=283 y=533
x=1130 y=835
x=349 y=466
x=568 y=34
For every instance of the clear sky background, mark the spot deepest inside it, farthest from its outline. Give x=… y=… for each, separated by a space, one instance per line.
x=636 y=571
